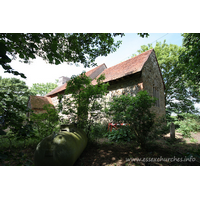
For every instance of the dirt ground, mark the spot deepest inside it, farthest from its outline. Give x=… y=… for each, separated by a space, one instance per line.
x=163 y=152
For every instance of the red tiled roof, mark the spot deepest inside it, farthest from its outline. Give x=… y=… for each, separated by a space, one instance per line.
x=93 y=73
x=125 y=68
x=57 y=90
x=38 y=101
x=120 y=70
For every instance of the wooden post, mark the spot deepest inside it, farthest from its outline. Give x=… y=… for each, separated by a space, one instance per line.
x=172 y=131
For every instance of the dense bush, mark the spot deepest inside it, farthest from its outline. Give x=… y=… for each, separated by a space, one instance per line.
x=122 y=134
x=97 y=130
x=134 y=111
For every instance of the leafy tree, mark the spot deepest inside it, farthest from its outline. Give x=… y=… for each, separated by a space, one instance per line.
x=190 y=59
x=177 y=93
x=83 y=99
x=135 y=111
x=14 y=96
x=42 y=88
x=55 y=48
x=143 y=35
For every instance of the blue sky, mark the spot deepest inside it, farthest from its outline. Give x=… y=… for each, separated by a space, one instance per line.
x=132 y=42
x=41 y=72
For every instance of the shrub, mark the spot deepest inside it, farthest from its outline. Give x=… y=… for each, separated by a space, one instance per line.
x=136 y=112
x=123 y=134
x=97 y=130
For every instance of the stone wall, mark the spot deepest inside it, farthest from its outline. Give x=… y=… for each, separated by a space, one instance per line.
x=153 y=83
x=128 y=85
x=131 y=84
x=55 y=100
x=149 y=79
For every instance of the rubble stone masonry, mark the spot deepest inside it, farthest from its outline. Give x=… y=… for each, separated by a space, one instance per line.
x=149 y=79
x=153 y=83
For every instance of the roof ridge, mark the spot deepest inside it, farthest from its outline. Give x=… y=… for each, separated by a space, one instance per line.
x=131 y=58
x=130 y=70
x=147 y=56
x=58 y=87
x=130 y=61
x=89 y=73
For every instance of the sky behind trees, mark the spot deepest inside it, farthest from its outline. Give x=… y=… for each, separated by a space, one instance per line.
x=38 y=71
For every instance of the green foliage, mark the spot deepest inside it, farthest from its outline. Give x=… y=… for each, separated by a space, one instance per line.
x=188 y=123
x=136 y=112
x=14 y=96
x=160 y=127
x=55 y=48
x=143 y=35
x=42 y=88
x=11 y=142
x=122 y=134
x=177 y=91
x=83 y=102
x=45 y=123
x=190 y=60
x=193 y=140
x=98 y=130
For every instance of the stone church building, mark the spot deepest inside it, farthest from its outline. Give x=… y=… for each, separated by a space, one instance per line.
x=141 y=72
